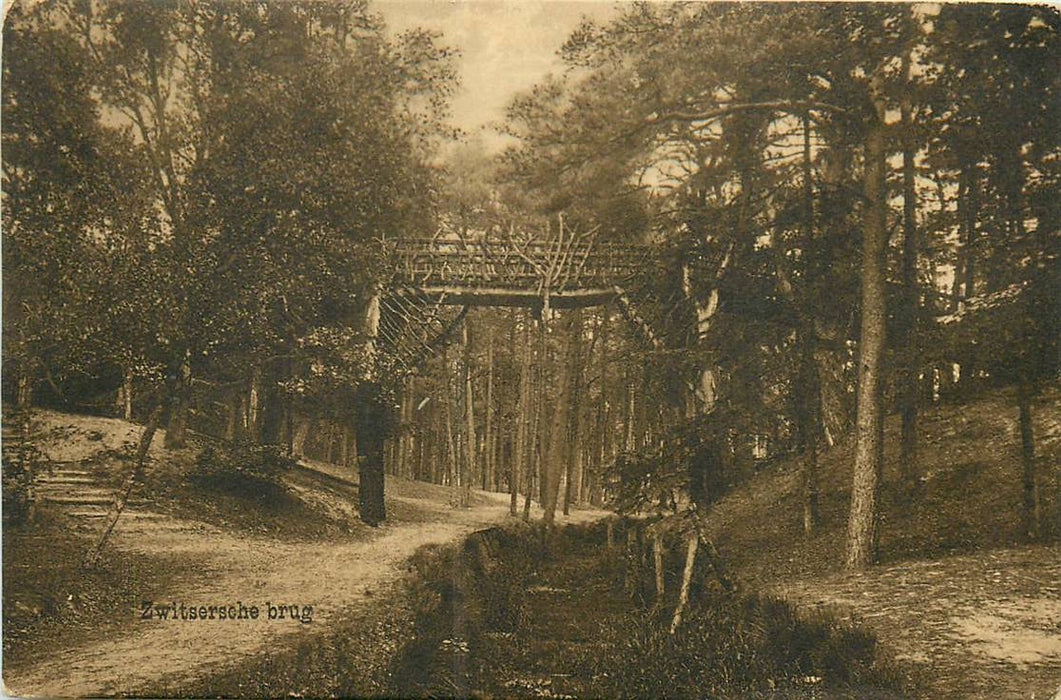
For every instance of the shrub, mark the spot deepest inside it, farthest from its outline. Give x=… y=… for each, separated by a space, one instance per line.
x=734 y=647
x=243 y=469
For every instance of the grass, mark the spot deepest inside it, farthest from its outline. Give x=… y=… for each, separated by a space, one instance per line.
x=49 y=599
x=497 y=618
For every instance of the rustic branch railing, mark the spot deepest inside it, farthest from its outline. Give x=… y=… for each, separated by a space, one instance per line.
x=426 y=263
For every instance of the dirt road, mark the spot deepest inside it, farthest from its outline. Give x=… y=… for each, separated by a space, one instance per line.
x=332 y=578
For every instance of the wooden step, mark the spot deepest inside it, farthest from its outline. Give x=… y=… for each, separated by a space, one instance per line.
x=48 y=479
x=127 y=514
x=75 y=490
x=88 y=513
x=89 y=499
x=67 y=472
x=144 y=515
x=78 y=500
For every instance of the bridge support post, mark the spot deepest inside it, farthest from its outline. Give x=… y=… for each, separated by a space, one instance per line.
x=370 y=425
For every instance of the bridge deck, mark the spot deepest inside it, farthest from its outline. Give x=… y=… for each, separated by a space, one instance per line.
x=504 y=273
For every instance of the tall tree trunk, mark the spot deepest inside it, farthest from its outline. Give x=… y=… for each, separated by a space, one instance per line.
x=273 y=417
x=488 y=427
x=972 y=212
x=452 y=466
x=125 y=395
x=344 y=447
x=405 y=457
x=232 y=422
x=605 y=423
x=349 y=438
x=657 y=565
x=863 y=523
x=24 y=396
x=907 y=341
x=371 y=426
x=522 y=417
x=809 y=427
x=1031 y=512
x=553 y=463
x=298 y=440
x=573 y=479
x=536 y=472
x=628 y=440
x=809 y=380
x=180 y=402
x=370 y=430
x=469 y=418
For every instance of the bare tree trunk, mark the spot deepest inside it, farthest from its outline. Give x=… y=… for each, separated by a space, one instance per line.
x=179 y=409
x=573 y=408
x=907 y=331
x=349 y=438
x=1031 y=513
x=522 y=417
x=253 y=396
x=810 y=411
x=469 y=418
x=370 y=414
x=451 y=442
x=536 y=442
x=628 y=442
x=657 y=562
x=488 y=428
x=298 y=440
x=810 y=426
x=863 y=524
x=596 y=494
x=24 y=396
x=125 y=395
x=687 y=578
x=553 y=465
x=234 y=413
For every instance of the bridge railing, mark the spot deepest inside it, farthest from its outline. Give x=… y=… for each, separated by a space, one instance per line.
x=486 y=263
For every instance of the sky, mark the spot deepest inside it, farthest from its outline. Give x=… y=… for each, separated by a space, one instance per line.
x=506 y=46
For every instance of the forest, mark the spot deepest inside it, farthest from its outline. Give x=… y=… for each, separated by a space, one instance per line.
x=227 y=222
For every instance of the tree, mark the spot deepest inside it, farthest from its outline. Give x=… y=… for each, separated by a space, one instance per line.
x=278 y=144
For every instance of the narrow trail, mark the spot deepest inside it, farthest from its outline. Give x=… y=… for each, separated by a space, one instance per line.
x=334 y=578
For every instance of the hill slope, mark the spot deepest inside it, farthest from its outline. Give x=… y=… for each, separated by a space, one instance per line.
x=956 y=592
x=297 y=542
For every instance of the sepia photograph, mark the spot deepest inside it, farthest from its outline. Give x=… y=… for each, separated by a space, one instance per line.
x=531 y=349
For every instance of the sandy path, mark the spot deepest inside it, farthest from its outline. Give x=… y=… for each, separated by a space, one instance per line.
x=333 y=578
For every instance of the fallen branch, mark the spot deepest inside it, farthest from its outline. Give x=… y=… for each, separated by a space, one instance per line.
x=92 y=558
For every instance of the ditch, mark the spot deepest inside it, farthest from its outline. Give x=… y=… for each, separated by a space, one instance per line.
x=504 y=615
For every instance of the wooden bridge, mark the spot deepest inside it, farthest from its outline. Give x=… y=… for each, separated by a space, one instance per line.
x=530 y=274
x=436 y=281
